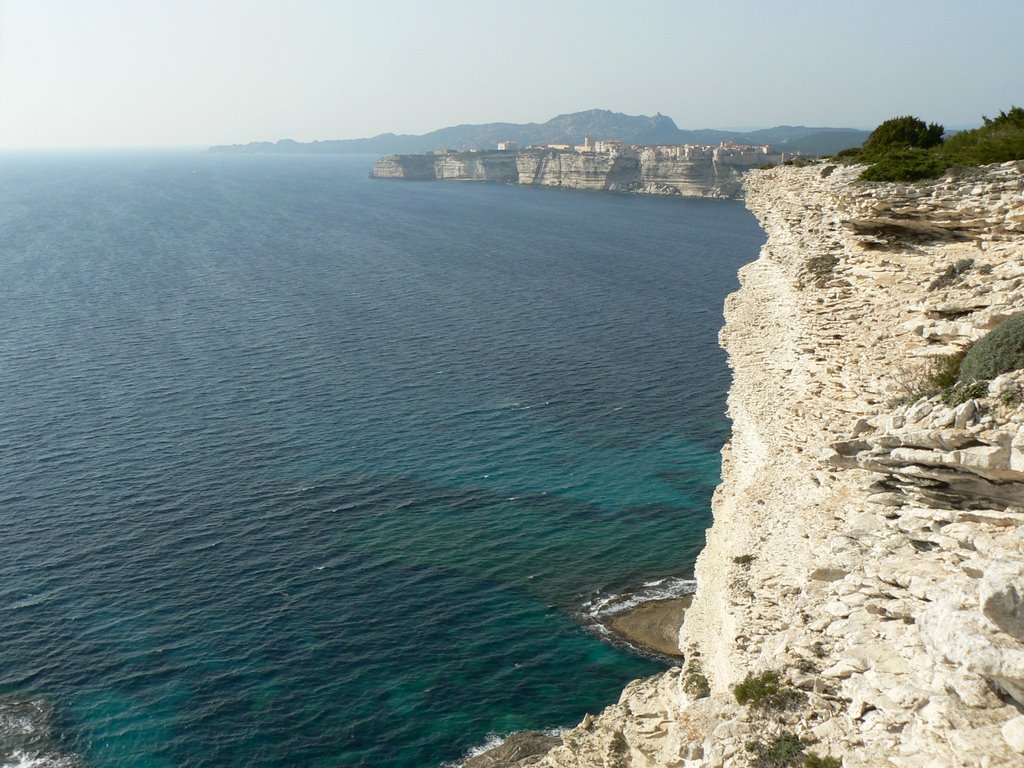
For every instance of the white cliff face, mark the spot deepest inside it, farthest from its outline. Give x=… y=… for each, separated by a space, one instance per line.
x=705 y=177
x=702 y=177
x=574 y=170
x=871 y=554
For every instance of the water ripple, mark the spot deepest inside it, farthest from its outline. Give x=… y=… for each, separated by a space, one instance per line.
x=300 y=468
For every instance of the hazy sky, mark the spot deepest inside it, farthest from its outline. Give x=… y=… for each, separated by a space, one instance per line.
x=199 y=72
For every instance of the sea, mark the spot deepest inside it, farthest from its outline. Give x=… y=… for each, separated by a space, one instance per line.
x=299 y=467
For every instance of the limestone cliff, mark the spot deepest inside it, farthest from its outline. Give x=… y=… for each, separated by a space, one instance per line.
x=871 y=554
x=629 y=172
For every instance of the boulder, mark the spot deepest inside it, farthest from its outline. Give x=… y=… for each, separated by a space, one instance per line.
x=1001 y=594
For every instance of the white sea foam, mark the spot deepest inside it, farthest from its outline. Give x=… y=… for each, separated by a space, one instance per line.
x=491 y=741
x=606 y=604
x=29 y=601
x=20 y=759
x=25 y=731
x=12 y=724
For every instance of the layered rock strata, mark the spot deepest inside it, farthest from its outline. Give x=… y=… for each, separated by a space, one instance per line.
x=699 y=177
x=871 y=554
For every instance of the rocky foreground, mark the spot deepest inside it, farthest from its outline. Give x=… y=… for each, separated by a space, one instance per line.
x=871 y=555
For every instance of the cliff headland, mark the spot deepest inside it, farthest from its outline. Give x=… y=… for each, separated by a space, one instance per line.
x=689 y=170
x=860 y=599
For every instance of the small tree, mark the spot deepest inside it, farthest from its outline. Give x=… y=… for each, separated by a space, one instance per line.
x=905 y=132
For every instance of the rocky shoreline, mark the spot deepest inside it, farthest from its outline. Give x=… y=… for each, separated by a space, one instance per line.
x=865 y=567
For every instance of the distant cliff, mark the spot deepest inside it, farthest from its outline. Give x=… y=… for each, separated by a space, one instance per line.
x=709 y=174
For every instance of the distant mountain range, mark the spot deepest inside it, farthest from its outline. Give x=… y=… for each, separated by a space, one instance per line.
x=570 y=129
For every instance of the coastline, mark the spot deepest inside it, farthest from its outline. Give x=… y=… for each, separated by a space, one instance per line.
x=882 y=606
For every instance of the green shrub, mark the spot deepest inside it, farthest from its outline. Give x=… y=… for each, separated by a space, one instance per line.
x=944 y=372
x=821 y=266
x=817 y=761
x=786 y=749
x=695 y=683
x=618 y=745
x=904 y=165
x=906 y=132
x=1000 y=139
x=953 y=274
x=763 y=691
x=999 y=351
x=906 y=149
x=961 y=393
x=744 y=559
x=939 y=377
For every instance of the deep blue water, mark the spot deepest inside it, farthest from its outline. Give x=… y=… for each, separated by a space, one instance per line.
x=302 y=468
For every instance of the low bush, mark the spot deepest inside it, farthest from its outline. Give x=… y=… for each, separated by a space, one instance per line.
x=999 y=351
x=906 y=132
x=907 y=149
x=939 y=377
x=783 y=750
x=848 y=155
x=953 y=274
x=944 y=372
x=904 y=165
x=1000 y=139
x=818 y=761
x=764 y=691
x=961 y=393
x=744 y=559
x=786 y=750
x=695 y=683
x=821 y=266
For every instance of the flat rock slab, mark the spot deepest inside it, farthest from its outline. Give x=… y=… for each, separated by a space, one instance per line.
x=517 y=751
x=653 y=625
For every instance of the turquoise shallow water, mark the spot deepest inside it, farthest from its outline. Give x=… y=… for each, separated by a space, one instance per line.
x=297 y=467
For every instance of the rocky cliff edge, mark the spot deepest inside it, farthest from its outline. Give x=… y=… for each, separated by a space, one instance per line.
x=867 y=556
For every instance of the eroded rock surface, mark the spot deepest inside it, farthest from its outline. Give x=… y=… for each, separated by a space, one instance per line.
x=870 y=553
